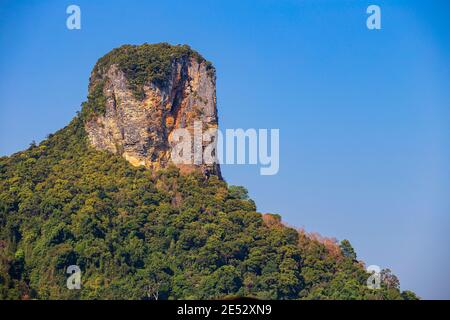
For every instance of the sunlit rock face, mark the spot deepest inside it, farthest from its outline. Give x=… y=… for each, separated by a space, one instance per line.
x=140 y=126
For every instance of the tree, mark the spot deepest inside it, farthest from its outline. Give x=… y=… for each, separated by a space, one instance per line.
x=389 y=280
x=238 y=192
x=224 y=281
x=155 y=278
x=347 y=249
x=409 y=295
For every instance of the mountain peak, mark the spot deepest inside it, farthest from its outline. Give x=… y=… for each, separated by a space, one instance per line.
x=138 y=96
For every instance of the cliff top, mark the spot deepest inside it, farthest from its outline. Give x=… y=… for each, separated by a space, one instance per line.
x=147 y=63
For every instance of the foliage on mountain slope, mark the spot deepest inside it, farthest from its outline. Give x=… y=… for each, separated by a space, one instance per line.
x=144 y=64
x=138 y=234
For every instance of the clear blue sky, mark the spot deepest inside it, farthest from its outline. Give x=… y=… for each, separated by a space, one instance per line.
x=363 y=115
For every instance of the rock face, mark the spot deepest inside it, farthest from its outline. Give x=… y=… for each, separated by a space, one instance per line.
x=137 y=119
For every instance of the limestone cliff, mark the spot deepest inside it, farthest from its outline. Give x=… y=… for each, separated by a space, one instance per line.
x=138 y=95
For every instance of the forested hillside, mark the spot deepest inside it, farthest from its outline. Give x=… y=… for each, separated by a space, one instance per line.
x=138 y=234
x=149 y=230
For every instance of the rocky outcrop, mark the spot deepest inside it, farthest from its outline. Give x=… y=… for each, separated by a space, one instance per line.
x=139 y=127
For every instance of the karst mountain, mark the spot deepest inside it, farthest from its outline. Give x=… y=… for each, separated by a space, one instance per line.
x=104 y=194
